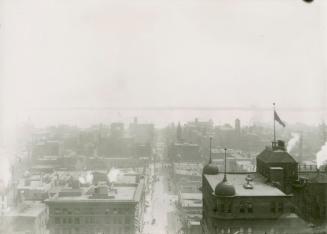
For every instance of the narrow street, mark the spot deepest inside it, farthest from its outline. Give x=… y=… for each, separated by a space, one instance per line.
x=160 y=216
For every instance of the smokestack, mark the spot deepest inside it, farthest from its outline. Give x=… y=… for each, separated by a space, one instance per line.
x=301 y=148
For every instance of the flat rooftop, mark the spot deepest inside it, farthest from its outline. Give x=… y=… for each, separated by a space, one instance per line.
x=260 y=187
x=119 y=193
x=191 y=196
x=31 y=209
x=194 y=169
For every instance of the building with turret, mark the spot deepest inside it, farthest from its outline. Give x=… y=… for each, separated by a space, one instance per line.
x=257 y=202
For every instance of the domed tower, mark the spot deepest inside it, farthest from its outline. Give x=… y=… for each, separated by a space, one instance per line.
x=224 y=188
x=210 y=168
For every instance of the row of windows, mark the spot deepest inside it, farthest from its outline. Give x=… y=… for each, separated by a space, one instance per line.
x=277 y=207
x=247 y=207
x=110 y=230
x=227 y=230
x=92 y=220
x=249 y=230
x=90 y=210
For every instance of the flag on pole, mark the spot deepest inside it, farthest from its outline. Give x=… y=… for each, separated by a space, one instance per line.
x=276 y=118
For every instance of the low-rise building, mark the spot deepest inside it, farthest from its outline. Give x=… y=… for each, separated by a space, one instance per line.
x=26 y=218
x=102 y=208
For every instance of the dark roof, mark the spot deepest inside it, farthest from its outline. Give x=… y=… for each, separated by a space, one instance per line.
x=210 y=169
x=275 y=156
x=224 y=189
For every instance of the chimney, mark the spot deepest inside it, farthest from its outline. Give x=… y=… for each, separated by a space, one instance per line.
x=279 y=145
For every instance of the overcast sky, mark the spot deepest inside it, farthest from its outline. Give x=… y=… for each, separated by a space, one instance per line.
x=99 y=53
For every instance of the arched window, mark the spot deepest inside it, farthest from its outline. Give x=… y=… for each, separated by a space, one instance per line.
x=250 y=207
x=273 y=207
x=229 y=207
x=280 y=207
x=242 y=207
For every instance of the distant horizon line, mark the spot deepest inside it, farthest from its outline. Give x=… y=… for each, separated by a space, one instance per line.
x=173 y=108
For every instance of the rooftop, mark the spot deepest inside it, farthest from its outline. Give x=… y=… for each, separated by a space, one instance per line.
x=188 y=169
x=119 y=193
x=27 y=209
x=191 y=196
x=269 y=155
x=260 y=187
x=315 y=177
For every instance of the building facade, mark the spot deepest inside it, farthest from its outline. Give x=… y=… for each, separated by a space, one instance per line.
x=251 y=203
x=98 y=209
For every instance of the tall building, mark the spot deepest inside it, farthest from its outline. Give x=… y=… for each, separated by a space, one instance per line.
x=251 y=203
x=238 y=126
x=179 y=137
x=311 y=196
x=98 y=209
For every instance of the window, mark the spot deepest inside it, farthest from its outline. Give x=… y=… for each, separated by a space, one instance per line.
x=292 y=209
x=222 y=207
x=70 y=221
x=128 y=219
x=127 y=229
x=249 y=230
x=120 y=219
x=64 y=221
x=229 y=208
x=91 y=210
x=107 y=211
x=76 y=220
x=273 y=207
x=242 y=209
x=280 y=207
x=57 y=211
x=57 y=220
x=108 y=219
x=250 y=207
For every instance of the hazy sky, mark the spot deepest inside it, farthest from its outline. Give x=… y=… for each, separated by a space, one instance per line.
x=97 y=53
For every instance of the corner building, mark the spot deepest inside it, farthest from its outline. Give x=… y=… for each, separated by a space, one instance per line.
x=97 y=209
x=251 y=203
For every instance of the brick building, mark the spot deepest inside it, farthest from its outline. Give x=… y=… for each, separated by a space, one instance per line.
x=101 y=208
x=250 y=203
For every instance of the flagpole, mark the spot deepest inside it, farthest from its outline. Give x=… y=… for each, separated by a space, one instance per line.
x=274 y=123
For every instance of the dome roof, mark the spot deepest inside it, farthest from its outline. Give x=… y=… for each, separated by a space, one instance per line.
x=224 y=189
x=210 y=169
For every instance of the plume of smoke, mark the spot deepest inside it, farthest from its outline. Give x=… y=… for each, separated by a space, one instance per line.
x=293 y=141
x=5 y=173
x=113 y=175
x=321 y=156
x=86 y=178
